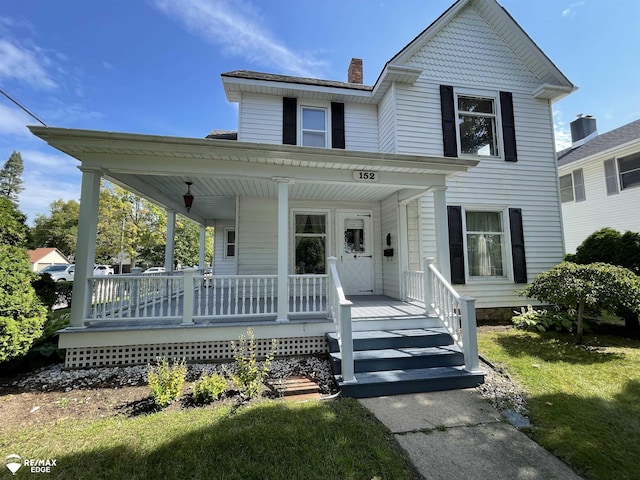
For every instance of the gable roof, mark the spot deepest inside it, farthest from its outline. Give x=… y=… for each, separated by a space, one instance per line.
x=553 y=84
x=601 y=143
x=39 y=253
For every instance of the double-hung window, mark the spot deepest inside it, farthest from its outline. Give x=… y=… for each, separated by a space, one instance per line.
x=485 y=241
x=477 y=126
x=629 y=170
x=229 y=242
x=572 y=187
x=314 y=127
x=310 y=235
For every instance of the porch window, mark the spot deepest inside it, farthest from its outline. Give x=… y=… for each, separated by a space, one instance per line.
x=229 y=242
x=310 y=243
x=485 y=244
x=314 y=127
x=477 y=126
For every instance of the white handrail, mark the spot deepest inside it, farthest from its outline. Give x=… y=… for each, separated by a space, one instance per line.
x=339 y=309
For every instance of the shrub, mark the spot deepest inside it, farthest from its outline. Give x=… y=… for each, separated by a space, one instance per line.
x=165 y=381
x=542 y=320
x=250 y=374
x=596 y=286
x=46 y=289
x=208 y=388
x=64 y=291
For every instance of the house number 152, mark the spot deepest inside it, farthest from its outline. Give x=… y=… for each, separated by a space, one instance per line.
x=365 y=176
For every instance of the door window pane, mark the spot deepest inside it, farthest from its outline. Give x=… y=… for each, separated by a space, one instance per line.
x=354 y=241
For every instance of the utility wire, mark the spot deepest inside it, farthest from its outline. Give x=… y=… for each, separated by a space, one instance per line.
x=23 y=108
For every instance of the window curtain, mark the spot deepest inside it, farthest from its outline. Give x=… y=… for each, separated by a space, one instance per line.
x=484 y=244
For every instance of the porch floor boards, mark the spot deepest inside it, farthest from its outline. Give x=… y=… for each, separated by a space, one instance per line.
x=365 y=307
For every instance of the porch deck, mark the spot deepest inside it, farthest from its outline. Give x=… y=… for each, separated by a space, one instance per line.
x=365 y=308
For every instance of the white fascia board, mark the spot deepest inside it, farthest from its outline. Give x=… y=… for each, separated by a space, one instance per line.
x=301 y=90
x=553 y=92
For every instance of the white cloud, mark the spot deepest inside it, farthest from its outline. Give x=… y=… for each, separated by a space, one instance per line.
x=570 y=10
x=13 y=122
x=25 y=64
x=562 y=133
x=236 y=28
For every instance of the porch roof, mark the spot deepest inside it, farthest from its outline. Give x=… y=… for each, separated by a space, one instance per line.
x=156 y=168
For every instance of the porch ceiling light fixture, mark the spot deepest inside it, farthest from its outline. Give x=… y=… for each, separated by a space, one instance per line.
x=188 y=198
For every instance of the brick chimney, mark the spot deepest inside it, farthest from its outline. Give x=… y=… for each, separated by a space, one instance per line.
x=354 y=74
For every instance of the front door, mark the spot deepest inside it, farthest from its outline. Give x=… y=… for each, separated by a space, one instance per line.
x=355 y=251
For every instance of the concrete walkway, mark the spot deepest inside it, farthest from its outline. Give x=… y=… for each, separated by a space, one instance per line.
x=457 y=435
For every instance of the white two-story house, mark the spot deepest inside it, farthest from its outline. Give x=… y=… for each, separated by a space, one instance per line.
x=330 y=197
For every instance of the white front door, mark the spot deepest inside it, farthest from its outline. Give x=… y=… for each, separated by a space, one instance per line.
x=354 y=246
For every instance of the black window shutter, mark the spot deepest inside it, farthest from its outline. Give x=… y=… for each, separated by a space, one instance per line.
x=456 y=244
x=448 y=109
x=337 y=125
x=517 y=246
x=508 y=127
x=289 y=120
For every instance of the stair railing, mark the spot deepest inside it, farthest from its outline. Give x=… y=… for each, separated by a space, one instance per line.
x=339 y=309
x=457 y=313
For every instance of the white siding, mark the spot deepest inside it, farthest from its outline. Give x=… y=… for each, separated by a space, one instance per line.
x=468 y=54
x=222 y=265
x=361 y=127
x=599 y=210
x=387 y=121
x=260 y=119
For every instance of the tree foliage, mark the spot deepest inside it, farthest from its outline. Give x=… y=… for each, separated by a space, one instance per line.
x=11 y=177
x=596 y=286
x=59 y=229
x=22 y=316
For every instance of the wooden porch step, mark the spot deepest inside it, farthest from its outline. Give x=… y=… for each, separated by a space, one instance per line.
x=402 y=358
x=398 y=382
x=396 y=338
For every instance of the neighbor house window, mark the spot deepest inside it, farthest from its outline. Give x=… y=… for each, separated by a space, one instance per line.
x=314 y=127
x=629 y=168
x=485 y=239
x=310 y=234
x=477 y=126
x=229 y=242
x=572 y=187
x=611 y=177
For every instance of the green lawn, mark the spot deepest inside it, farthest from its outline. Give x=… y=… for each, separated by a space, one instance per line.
x=584 y=401
x=268 y=440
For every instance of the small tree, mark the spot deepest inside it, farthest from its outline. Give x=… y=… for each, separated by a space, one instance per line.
x=22 y=316
x=596 y=286
x=11 y=178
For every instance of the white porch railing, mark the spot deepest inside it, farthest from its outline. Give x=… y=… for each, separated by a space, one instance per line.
x=190 y=295
x=457 y=313
x=339 y=309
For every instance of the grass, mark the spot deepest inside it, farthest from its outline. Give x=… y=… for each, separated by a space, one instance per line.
x=267 y=440
x=584 y=401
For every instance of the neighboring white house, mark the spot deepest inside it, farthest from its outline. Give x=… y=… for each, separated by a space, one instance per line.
x=450 y=154
x=43 y=257
x=599 y=180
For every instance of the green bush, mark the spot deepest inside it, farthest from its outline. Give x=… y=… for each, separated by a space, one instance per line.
x=209 y=387
x=596 y=287
x=165 y=381
x=542 y=320
x=250 y=374
x=46 y=289
x=64 y=291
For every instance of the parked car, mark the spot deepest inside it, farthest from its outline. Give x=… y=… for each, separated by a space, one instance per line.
x=102 y=270
x=60 y=273
x=153 y=270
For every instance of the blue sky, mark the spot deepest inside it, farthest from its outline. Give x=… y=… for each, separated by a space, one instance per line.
x=153 y=66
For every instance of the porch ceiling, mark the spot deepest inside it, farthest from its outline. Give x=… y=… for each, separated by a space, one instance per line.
x=156 y=168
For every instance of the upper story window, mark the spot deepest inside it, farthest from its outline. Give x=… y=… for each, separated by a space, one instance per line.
x=314 y=127
x=629 y=169
x=572 y=187
x=477 y=126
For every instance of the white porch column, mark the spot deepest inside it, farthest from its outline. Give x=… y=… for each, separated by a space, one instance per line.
x=86 y=246
x=442 y=232
x=203 y=245
x=283 y=249
x=170 y=241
